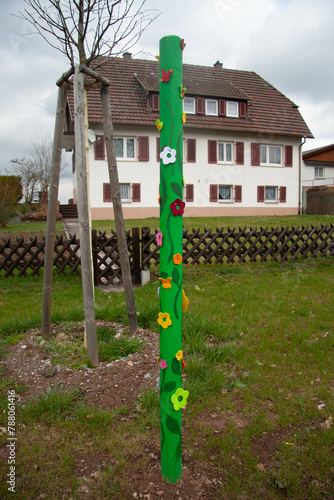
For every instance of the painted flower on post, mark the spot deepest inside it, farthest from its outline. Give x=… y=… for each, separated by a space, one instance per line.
x=179 y=355
x=168 y=155
x=177 y=207
x=159 y=238
x=166 y=283
x=163 y=364
x=179 y=399
x=185 y=302
x=177 y=259
x=164 y=320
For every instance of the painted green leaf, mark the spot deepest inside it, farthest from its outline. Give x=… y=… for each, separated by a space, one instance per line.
x=173 y=425
x=176 y=367
x=168 y=387
x=163 y=275
x=176 y=276
x=177 y=189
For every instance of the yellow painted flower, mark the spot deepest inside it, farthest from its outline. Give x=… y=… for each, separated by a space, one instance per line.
x=164 y=320
x=166 y=283
x=177 y=259
x=185 y=302
x=179 y=399
x=179 y=355
x=184 y=117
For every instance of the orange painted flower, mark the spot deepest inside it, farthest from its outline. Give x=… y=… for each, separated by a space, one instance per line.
x=177 y=259
x=164 y=320
x=166 y=283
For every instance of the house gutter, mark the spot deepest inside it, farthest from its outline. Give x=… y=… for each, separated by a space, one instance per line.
x=300 y=208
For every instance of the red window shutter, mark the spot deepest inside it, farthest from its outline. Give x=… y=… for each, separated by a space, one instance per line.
x=255 y=147
x=107 y=191
x=189 y=192
x=238 y=194
x=200 y=106
x=99 y=150
x=222 y=107
x=282 y=194
x=212 y=151
x=191 y=150
x=155 y=102
x=260 y=194
x=158 y=149
x=242 y=109
x=136 y=192
x=143 y=149
x=213 y=192
x=288 y=156
x=239 y=157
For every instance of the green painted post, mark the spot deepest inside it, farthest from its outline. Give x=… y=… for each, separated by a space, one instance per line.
x=172 y=396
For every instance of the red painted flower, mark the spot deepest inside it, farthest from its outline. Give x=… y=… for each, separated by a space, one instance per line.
x=165 y=75
x=177 y=207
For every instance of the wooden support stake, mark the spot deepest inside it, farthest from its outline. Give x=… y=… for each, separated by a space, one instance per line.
x=83 y=212
x=52 y=209
x=117 y=204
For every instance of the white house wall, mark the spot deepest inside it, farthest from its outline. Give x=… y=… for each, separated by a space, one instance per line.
x=201 y=174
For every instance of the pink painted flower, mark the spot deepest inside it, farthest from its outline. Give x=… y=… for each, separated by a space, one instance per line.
x=163 y=364
x=177 y=207
x=159 y=238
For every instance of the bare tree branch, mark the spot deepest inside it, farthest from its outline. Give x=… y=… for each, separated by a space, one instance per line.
x=84 y=30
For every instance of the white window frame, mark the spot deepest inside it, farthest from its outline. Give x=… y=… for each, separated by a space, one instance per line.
x=206 y=107
x=188 y=99
x=276 y=194
x=228 y=162
x=128 y=199
x=232 y=104
x=316 y=171
x=267 y=163
x=230 y=200
x=125 y=157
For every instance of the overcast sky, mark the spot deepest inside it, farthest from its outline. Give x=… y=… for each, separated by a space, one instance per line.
x=290 y=43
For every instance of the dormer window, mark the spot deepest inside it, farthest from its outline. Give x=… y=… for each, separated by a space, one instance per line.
x=189 y=105
x=211 y=107
x=232 y=109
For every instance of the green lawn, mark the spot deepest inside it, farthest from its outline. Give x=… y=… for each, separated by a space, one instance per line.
x=258 y=341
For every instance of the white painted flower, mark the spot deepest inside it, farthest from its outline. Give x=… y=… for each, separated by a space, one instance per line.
x=168 y=155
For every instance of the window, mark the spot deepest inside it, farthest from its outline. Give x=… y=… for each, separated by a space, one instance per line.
x=271 y=194
x=232 y=109
x=225 y=193
x=270 y=155
x=125 y=192
x=211 y=107
x=189 y=105
x=319 y=173
x=125 y=148
x=225 y=152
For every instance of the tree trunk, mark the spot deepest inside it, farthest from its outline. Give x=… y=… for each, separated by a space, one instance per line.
x=52 y=209
x=83 y=212
x=117 y=204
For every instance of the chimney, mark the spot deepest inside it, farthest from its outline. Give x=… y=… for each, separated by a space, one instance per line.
x=127 y=55
x=218 y=64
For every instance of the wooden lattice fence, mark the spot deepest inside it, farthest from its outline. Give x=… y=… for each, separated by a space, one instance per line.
x=246 y=245
x=22 y=257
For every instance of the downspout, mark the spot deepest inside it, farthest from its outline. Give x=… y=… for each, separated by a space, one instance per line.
x=300 y=207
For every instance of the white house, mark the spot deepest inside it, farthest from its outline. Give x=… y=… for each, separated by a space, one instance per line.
x=241 y=148
x=317 y=169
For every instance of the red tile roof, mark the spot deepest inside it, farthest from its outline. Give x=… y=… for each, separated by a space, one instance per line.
x=269 y=111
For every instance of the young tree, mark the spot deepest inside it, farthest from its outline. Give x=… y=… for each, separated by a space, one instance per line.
x=84 y=30
x=88 y=32
x=10 y=194
x=35 y=170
